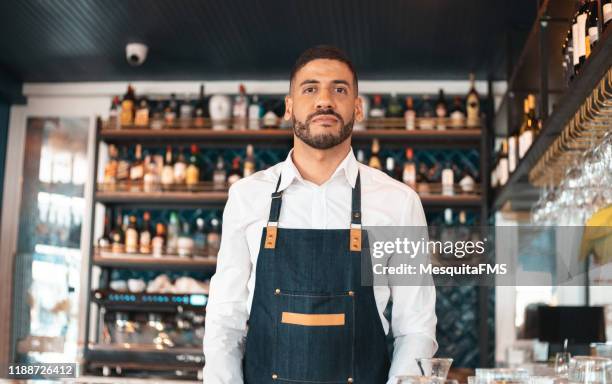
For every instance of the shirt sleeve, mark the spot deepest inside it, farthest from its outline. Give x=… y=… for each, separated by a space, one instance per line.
x=226 y=311
x=413 y=319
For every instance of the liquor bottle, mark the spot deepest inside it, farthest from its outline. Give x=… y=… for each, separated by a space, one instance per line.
x=607 y=12
x=170 y=111
x=213 y=238
x=240 y=109
x=145 y=234
x=111 y=168
x=185 y=241
x=592 y=26
x=409 y=173
x=410 y=114
x=123 y=168
x=200 y=110
x=142 y=114
x=104 y=242
x=581 y=20
x=528 y=127
x=249 y=162
x=394 y=109
x=167 y=175
x=219 y=174
x=199 y=238
x=159 y=240
x=192 y=177
x=360 y=156
x=270 y=119
x=377 y=110
x=390 y=167
x=173 y=233
x=448 y=180
x=441 y=111
x=157 y=114
x=113 y=115
x=180 y=167
x=427 y=114
x=447 y=234
x=127 y=107
x=255 y=111
x=186 y=112
x=503 y=171
x=374 y=160
x=466 y=181
x=117 y=236
x=137 y=170
x=423 y=179
x=512 y=153
x=457 y=116
x=472 y=104
x=150 y=180
x=235 y=174
x=131 y=236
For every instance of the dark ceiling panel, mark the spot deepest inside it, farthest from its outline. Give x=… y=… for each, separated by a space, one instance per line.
x=78 y=40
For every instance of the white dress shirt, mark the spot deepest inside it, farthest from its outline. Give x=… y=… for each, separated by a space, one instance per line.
x=384 y=202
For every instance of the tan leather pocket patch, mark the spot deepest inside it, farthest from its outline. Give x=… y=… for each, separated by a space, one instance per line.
x=313 y=320
x=270 y=242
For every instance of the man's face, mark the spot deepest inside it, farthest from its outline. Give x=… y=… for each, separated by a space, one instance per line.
x=323 y=103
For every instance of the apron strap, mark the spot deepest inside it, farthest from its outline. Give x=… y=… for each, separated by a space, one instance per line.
x=272 y=226
x=355 y=231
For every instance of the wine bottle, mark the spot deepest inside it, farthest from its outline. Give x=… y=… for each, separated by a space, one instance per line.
x=592 y=26
x=113 y=115
x=157 y=116
x=457 y=116
x=374 y=160
x=441 y=111
x=137 y=170
x=235 y=174
x=170 y=111
x=167 y=176
x=192 y=174
x=111 y=168
x=186 y=112
x=104 y=242
x=145 y=234
x=473 y=104
x=123 y=168
x=409 y=173
x=448 y=180
x=240 y=109
x=214 y=235
x=200 y=110
x=141 y=120
x=117 y=236
x=159 y=240
x=199 y=238
x=219 y=174
x=254 y=113
x=394 y=109
x=131 y=236
x=185 y=241
x=427 y=115
x=180 y=167
x=410 y=114
x=173 y=233
x=127 y=107
x=377 y=110
x=249 y=161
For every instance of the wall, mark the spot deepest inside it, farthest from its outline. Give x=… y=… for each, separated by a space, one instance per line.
x=4 y=120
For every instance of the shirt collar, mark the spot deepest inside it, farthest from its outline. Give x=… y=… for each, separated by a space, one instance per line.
x=349 y=167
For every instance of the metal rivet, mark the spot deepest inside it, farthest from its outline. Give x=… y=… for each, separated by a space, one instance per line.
x=274 y=376
x=277 y=291
x=350 y=380
x=351 y=293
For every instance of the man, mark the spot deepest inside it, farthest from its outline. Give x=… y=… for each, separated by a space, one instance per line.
x=286 y=303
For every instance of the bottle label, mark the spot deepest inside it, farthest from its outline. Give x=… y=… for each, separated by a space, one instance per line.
x=142 y=117
x=193 y=175
x=581 y=22
x=145 y=242
x=136 y=172
x=607 y=12
x=179 y=173
x=593 y=35
x=158 y=246
x=167 y=176
x=473 y=110
x=131 y=241
x=409 y=175
x=410 y=117
x=457 y=119
x=249 y=168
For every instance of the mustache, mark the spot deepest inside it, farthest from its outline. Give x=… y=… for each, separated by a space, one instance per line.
x=321 y=112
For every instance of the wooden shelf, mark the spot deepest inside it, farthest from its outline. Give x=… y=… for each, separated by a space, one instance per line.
x=462 y=137
x=135 y=355
x=592 y=72
x=187 y=199
x=138 y=261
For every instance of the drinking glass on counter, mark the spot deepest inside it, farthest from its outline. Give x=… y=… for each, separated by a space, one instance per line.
x=562 y=360
x=434 y=366
x=423 y=380
x=502 y=375
x=590 y=370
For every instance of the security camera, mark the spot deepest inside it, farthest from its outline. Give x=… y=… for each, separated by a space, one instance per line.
x=136 y=53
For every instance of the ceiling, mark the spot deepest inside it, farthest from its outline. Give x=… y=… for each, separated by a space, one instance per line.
x=84 y=40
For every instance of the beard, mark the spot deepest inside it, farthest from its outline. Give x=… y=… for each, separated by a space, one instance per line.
x=324 y=140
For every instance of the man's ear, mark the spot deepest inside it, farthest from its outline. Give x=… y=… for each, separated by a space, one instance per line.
x=288 y=108
x=359 y=109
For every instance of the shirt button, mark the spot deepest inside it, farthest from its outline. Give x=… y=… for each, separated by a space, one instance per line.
x=277 y=291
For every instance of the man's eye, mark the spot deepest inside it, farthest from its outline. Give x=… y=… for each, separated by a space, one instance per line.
x=309 y=90
x=341 y=90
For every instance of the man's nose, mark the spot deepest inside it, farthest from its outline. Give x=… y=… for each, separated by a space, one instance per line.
x=324 y=101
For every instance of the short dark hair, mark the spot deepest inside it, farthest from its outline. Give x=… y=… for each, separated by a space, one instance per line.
x=323 y=52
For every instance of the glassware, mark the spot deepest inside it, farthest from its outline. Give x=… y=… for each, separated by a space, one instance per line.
x=434 y=366
x=501 y=375
x=420 y=380
x=562 y=360
x=590 y=370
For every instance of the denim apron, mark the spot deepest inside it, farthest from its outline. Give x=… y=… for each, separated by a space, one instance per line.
x=311 y=319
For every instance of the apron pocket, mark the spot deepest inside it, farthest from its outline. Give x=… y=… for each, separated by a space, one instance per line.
x=314 y=337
